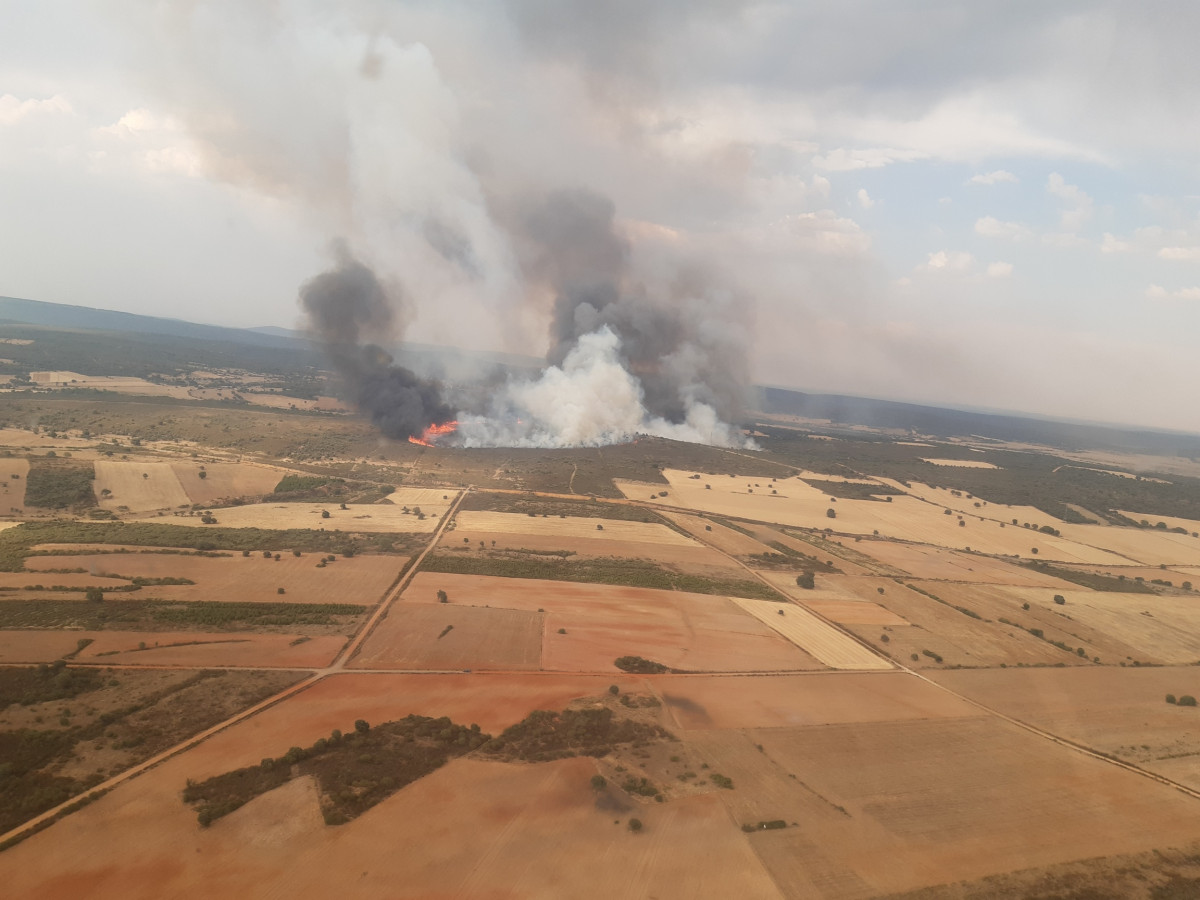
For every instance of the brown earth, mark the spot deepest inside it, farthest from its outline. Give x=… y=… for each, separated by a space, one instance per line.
x=173 y=648
x=14 y=472
x=696 y=632
x=414 y=636
x=362 y=579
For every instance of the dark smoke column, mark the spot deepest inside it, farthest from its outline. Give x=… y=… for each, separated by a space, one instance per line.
x=342 y=305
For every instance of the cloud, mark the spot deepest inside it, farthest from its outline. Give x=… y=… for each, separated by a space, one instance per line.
x=864 y=199
x=948 y=261
x=1158 y=292
x=1112 y=244
x=994 y=228
x=844 y=160
x=999 y=270
x=990 y=178
x=13 y=109
x=1179 y=253
x=1078 y=205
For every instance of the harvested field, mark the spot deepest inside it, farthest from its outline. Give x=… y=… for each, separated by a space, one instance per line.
x=16 y=580
x=430 y=500
x=416 y=636
x=164 y=648
x=366 y=517
x=696 y=632
x=906 y=518
x=722 y=702
x=724 y=539
x=225 y=480
x=923 y=797
x=1148 y=546
x=1118 y=711
x=813 y=636
x=943 y=630
x=1191 y=526
x=924 y=561
x=138 y=486
x=1160 y=628
x=361 y=579
x=14 y=472
x=854 y=612
x=653 y=533
x=688 y=559
x=961 y=463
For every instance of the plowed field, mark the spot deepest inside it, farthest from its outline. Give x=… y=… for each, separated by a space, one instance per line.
x=415 y=636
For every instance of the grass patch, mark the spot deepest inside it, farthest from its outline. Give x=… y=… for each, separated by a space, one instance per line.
x=16 y=543
x=607 y=570
x=168 y=615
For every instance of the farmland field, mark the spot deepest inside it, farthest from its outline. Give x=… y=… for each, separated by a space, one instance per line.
x=376 y=517
x=418 y=636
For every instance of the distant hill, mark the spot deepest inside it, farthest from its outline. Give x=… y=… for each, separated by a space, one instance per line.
x=63 y=316
x=943 y=422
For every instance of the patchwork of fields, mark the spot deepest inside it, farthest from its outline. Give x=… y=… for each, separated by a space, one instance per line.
x=817 y=690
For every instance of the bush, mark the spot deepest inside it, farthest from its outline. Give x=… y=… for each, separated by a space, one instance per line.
x=1060 y=599
x=443 y=597
x=1187 y=700
x=1170 y=698
x=831 y=513
x=361 y=726
x=94 y=595
x=806 y=581
x=280 y=591
x=635 y=825
x=614 y=690
x=599 y=782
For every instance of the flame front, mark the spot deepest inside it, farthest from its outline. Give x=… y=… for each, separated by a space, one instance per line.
x=433 y=431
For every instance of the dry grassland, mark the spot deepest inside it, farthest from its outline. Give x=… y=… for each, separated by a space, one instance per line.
x=363 y=517
x=19 y=438
x=651 y=533
x=138 y=486
x=1190 y=525
x=695 y=632
x=431 y=500
x=855 y=612
x=1149 y=547
x=702 y=703
x=13 y=475
x=361 y=579
x=1116 y=711
x=441 y=636
x=929 y=802
x=813 y=636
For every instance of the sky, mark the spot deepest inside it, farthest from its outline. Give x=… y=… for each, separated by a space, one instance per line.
x=984 y=204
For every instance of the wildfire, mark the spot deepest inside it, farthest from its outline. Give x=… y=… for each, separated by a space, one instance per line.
x=433 y=431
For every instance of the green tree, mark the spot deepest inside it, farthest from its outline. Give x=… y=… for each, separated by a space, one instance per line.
x=806 y=581
x=443 y=597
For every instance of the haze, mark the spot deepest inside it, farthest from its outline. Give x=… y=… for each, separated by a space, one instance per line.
x=983 y=204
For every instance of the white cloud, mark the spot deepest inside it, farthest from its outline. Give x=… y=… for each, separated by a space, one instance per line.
x=1179 y=253
x=1112 y=244
x=1063 y=240
x=1077 y=204
x=13 y=110
x=843 y=160
x=1158 y=292
x=864 y=199
x=990 y=178
x=820 y=184
x=948 y=261
x=999 y=269
x=994 y=228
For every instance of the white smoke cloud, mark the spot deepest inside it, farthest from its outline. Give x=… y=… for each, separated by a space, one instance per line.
x=591 y=400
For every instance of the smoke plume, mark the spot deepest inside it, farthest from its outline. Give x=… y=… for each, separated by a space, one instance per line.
x=342 y=305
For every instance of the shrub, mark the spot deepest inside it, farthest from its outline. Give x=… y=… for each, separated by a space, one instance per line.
x=831 y=513
x=635 y=825
x=1170 y=698
x=1060 y=599
x=806 y=581
x=95 y=595
x=443 y=597
x=599 y=782
x=1187 y=700
x=361 y=726
x=280 y=591
x=614 y=690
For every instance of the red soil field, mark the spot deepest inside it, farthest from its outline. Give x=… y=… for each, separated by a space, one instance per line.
x=695 y=632
x=707 y=702
x=413 y=636
x=471 y=829
x=29 y=646
x=929 y=802
x=360 y=580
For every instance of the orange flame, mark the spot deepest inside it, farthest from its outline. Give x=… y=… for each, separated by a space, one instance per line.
x=434 y=430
